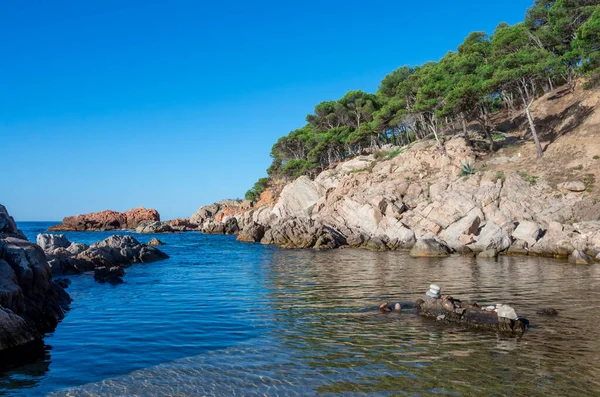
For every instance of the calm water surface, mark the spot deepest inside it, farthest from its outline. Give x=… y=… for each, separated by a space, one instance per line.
x=226 y=318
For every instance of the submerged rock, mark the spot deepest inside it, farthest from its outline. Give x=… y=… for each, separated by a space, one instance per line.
x=547 y=312
x=155 y=242
x=450 y=310
x=105 y=274
x=580 y=258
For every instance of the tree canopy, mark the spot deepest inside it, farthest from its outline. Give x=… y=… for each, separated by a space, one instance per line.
x=558 y=41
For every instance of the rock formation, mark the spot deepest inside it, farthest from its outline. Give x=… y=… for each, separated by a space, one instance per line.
x=30 y=303
x=103 y=257
x=419 y=197
x=108 y=220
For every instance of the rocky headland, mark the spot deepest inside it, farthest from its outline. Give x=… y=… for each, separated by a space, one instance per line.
x=438 y=201
x=108 y=220
x=31 y=304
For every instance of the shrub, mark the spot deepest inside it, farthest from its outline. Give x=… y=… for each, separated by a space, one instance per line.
x=465 y=169
x=259 y=187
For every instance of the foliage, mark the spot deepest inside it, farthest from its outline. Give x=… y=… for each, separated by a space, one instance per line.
x=259 y=187
x=557 y=41
x=465 y=169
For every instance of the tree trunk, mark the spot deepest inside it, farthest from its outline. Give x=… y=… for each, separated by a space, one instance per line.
x=466 y=134
x=538 y=145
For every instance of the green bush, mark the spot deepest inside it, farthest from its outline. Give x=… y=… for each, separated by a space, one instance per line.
x=259 y=187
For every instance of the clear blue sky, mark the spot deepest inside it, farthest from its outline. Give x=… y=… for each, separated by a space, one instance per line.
x=176 y=104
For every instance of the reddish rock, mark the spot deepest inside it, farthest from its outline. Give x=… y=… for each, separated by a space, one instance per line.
x=108 y=220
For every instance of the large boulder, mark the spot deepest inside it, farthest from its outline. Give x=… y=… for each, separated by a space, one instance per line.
x=108 y=220
x=50 y=242
x=298 y=198
x=154 y=227
x=252 y=233
x=527 y=231
x=491 y=237
x=31 y=304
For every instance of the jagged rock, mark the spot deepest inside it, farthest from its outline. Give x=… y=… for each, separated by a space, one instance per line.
x=429 y=247
x=298 y=198
x=573 y=186
x=115 y=251
x=77 y=248
x=329 y=238
x=527 y=231
x=293 y=233
x=31 y=304
x=49 y=242
x=182 y=225
x=459 y=233
x=153 y=227
x=598 y=258
x=252 y=233
x=155 y=242
x=8 y=227
x=108 y=220
x=579 y=258
x=491 y=237
x=231 y=226
x=213 y=228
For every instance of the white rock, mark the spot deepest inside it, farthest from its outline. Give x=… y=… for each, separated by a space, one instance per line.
x=527 y=231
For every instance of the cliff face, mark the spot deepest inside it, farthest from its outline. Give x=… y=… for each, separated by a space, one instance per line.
x=30 y=303
x=108 y=220
x=505 y=202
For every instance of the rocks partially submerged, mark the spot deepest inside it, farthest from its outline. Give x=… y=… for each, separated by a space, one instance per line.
x=108 y=220
x=107 y=258
x=31 y=304
x=453 y=311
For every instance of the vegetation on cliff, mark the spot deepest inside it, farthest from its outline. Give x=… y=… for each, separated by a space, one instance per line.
x=558 y=42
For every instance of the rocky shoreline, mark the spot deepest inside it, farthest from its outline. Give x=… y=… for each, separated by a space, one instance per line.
x=421 y=201
x=31 y=304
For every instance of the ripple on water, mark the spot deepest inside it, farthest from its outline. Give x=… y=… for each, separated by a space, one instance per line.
x=222 y=318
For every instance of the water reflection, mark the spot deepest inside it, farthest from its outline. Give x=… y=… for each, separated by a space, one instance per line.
x=22 y=367
x=319 y=339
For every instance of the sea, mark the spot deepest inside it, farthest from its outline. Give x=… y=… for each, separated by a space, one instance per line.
x=225 y=318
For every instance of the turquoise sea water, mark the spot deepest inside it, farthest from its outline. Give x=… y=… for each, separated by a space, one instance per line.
x=226 y=318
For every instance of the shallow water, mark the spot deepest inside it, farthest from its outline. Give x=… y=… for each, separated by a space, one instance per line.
x=226 y=318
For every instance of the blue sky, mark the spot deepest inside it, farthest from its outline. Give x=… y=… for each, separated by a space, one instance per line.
x=176 y=104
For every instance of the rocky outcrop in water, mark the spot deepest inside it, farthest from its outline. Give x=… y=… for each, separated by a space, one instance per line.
x=108 y=220
x=448 y=310
x=103 y=257
x=30 y=303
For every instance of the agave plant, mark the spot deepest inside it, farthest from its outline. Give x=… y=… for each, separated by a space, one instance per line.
x=465 y=169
